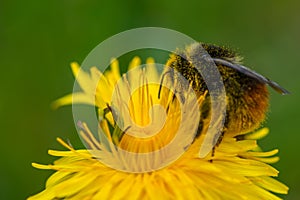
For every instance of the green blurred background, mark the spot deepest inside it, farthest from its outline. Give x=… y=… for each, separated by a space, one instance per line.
x=38 y=40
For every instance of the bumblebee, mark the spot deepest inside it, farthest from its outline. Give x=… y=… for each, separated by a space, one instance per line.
x=247 y=96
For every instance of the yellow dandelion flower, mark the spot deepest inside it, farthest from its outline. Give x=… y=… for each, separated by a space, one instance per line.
x=237 y=170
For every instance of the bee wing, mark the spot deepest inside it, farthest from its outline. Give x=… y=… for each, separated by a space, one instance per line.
x=253 y=74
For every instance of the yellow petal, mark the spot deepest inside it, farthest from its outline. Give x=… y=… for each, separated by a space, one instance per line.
x=76 y=98
x=270 y=184
x=257 y=134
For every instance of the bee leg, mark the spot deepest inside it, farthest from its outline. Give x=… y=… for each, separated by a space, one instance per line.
x=212 y=154
x=220 y=139
x=162 y=80
x=200 y=128
x=216 y=145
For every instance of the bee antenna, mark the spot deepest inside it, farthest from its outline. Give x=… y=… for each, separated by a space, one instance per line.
x=161 y=82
